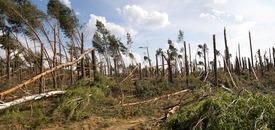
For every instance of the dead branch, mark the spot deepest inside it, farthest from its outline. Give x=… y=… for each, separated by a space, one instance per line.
x=155 y=99
x=227 y=89
x=2 y=94
x=29 y=98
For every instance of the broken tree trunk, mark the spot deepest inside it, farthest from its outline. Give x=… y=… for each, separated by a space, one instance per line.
x=2 y=94
x=251 y=52
x=261 y=62
x=157 y=66
x=170 y=77
x=215 y=61
x=186 y=63
x=227 y=57
x=29 y=98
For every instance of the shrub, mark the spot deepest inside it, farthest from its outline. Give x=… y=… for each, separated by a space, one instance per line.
x=225 y=111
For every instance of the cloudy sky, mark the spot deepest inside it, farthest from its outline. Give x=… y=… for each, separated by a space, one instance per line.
x=152 y=22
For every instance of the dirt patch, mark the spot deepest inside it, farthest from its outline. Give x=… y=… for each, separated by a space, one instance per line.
x=96 y=123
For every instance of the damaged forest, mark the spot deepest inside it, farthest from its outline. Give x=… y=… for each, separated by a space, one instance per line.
x=46 y=83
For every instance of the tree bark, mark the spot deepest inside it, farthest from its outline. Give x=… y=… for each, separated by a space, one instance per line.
x=157 y=66
x=54 y=59
x=8 y=62
x=215 y=61
x=30 y=98
x=83 y=59
x=41 y=88
x=273 y=56
x=261 y=62
x=190 y=58
x=94 y=66
x=71 y=58
x=227 y=57
x=170 y=77
x=140 y=71
x=186 y=63
x=204 y=57
x=163 y=69
x=251 y=52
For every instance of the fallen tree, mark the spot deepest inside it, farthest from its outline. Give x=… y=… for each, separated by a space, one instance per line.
x=29 y=98
x=155 y=99
x=2 y=94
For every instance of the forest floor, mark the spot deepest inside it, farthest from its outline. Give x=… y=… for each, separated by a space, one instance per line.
x=88 y=105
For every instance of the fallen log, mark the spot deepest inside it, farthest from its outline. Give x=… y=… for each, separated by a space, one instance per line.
x=2 y=94
x=29 y=98
x=155 y=99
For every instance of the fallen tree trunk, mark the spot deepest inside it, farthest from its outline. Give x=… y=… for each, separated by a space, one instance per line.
x=29 y=98
x=2 y=94
x=155 y=99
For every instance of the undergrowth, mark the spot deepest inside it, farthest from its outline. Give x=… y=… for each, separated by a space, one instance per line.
x=226 y=111
x=81 y=99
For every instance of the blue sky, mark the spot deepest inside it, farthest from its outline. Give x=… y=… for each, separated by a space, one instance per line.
x=152 y=22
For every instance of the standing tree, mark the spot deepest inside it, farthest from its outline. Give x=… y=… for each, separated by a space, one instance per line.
x=202 y=50
x=130 y=53
x=215 y=61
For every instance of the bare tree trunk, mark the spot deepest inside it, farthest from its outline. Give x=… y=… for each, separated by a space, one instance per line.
x=251 y=52
x=227 y=57
x=163 y=69
x=237 y=67
x=1 y=67
x=54 y=59
x=270 y=59
x=83 y=59
x=186 y=63
x=8 y=52
x=215 y=61
x=261 y=62
x=140 y=71
x=157 y=66
x=71 y=57
x=94 y=66
x=273 y=56
x=239 y=50
x=204 y=57
x=170 y=77
x=249 y=66
x=190 y=58
x=41 y=88
x=115 y=66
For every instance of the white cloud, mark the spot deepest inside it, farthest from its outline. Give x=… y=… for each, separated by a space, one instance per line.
x=215 y=14
x=222 y=16
x=67 y=3
x=137 y=15
x=114 y=28
x=238 y=18
x=77 y=12
x=220 y=1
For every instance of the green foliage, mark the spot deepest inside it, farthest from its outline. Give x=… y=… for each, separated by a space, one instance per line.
x=39 y=118
x=12 y=116
x=81 y=98
x=65 y=16
x=226 y=111
x=150 y=88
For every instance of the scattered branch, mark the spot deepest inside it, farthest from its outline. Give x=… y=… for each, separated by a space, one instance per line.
x=155 y=99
